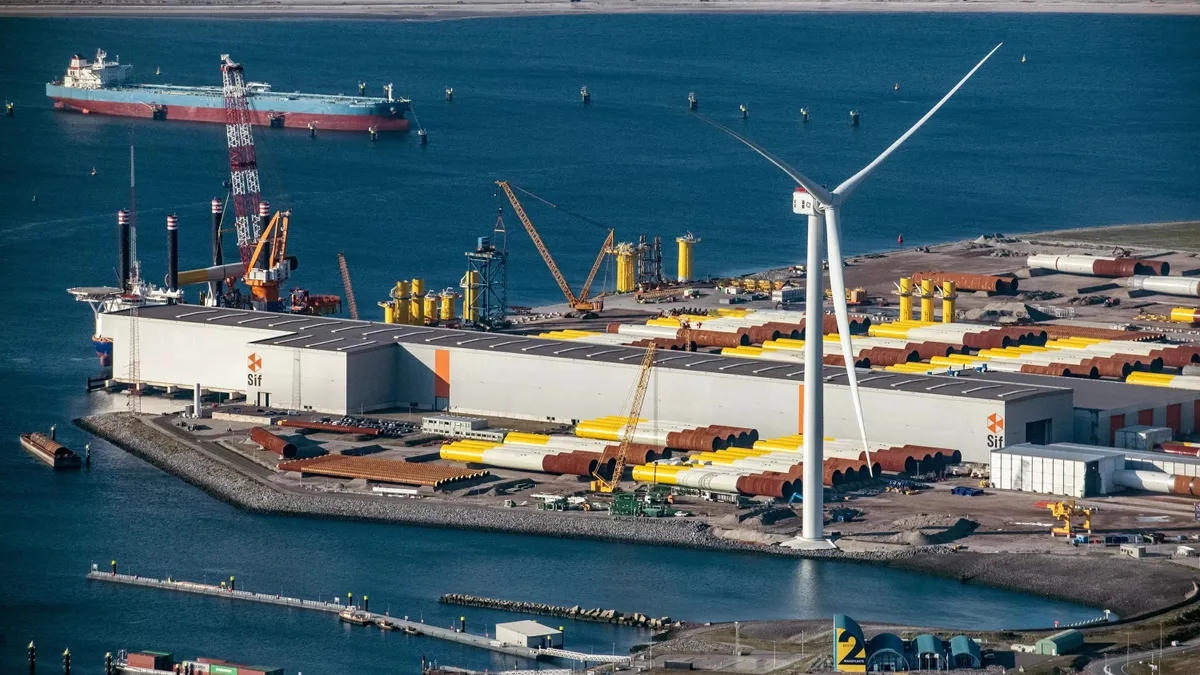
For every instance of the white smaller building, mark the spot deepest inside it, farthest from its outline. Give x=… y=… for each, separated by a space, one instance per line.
x=1079 y=471
x=458 y=426
x=529 y=634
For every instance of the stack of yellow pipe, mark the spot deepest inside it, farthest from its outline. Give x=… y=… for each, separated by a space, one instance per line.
x=896 y=329
x=518 y=437
x=568 y=334
x=916 y=368
x=603 y=428
x=1149 y=379
x=467 y=450
x=658 y=473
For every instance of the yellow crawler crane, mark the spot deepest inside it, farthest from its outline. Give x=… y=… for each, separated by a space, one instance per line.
x=602 y=484
x=581 y=302
x=1066 y=511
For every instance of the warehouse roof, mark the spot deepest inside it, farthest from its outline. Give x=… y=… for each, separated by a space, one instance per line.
x=347 y=335
x=528 y=628
x=1074 y=452
x=1096 y=394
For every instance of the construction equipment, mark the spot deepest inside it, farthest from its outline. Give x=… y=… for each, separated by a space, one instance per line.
x=269 y=264
x=243 y=165
x=581 y=302
x=349 y=289
x=1067 y=511
x=602 y=484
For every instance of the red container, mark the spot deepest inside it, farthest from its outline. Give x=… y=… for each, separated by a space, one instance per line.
x=151 y=660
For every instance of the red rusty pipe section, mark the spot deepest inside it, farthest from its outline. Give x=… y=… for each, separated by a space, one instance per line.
x=273 y=443
x=337 y=428
x=970 y=282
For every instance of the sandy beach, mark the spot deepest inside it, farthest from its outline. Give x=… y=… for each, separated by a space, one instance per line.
x=461 y=9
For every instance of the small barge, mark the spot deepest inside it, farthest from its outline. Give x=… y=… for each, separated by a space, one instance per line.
x=50 y=451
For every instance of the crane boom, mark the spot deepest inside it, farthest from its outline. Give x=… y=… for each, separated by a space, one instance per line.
x=537 y=241
x=587 y=285
x=603 y=484
x=243 y=165
x=349 y=289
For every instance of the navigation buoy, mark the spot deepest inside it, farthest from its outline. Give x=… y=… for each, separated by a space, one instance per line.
x=745 y=111
x=585 y=95
x=900 y=240
x=362 y=88
x=449 y=93
x=312 y=129
x=374 y=131
x=157 y=70
x=897 y=87
x=93 y=171
x=423 y=136
x=804 y=115
x=8 y=109
x=853 y=118
x=1022 y=58
x=693 y=104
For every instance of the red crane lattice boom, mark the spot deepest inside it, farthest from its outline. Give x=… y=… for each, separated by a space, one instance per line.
x=243 y=166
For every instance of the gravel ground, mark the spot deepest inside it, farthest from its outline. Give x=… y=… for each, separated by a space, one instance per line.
x=1123 y=585
x=1126 y=586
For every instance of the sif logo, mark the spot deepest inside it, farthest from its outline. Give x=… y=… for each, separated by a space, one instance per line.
x=254 y=365
x=995 y=427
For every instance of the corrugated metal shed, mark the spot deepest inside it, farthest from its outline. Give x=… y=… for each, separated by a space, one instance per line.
x=1085 y=471
x=965 y=652
x=1063 y=642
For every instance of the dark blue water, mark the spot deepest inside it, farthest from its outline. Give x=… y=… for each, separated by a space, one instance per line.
x=1100 y=126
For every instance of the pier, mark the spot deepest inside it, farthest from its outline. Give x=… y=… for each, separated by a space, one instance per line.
x=381 y=620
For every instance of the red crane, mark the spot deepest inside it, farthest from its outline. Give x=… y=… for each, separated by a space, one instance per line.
x=243 y=167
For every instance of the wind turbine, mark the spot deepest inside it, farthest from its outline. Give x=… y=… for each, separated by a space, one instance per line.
x=822 y=208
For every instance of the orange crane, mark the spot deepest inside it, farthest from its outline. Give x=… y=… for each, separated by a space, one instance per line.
x=349 y=289
x=579 y=302
x=602 y=484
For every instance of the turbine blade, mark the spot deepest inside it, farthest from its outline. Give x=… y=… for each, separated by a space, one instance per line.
x=819 y=193
x=844 y=190
x=837 y=287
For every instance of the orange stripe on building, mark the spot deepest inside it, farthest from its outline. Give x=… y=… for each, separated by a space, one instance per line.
x=800 y=423
x=441 y=373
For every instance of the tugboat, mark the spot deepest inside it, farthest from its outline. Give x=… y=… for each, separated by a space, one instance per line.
x=50 y=451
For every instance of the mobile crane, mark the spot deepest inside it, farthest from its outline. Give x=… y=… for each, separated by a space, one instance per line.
x=581 y=302
x=608 y=485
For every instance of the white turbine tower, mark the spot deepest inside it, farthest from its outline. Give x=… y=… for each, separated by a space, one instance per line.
x=822 y=207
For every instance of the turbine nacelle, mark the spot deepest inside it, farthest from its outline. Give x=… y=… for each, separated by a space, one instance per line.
x=804 y=204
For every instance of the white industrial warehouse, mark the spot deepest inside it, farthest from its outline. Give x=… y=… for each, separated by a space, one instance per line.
x=1078 y=470
x=342 y=366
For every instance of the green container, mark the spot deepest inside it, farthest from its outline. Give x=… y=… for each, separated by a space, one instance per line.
x=222 y=670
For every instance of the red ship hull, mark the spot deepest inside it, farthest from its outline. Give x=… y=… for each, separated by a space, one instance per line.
x=217 y=116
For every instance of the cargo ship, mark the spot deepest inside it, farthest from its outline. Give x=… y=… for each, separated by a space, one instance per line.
x=101 y=87
x=154 y=662
x=50 y=451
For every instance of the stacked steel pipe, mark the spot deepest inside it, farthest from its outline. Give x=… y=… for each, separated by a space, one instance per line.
x=549 y=454
x=973 y=336
x=1096 y=266
x=1188 y=287
x=660 y=433
x=970 y=282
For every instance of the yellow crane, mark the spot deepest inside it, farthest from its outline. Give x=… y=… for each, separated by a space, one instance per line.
x=1066 y=511
x=579 y=302
x=602 y=484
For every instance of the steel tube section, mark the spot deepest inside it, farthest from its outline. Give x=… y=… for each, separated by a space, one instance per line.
x=1154 y=481
x=1186 y=287
x=273 y=443
x=123 y=248
x=813 y=526
x=209 y=274
x=216 y=287
x=172 y=252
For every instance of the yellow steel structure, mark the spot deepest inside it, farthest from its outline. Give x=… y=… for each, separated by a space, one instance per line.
x=431 y=308
x=1181 y=314
x=401 y=295
x=470 y=284
x=926 y=300
x=416 y=310
x=906 y=291
x=446 y=310
x=602 y=484
x=949 y=300
x=1067 y=511
x=579 y=302
x=626 y=267
x=685 y=257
